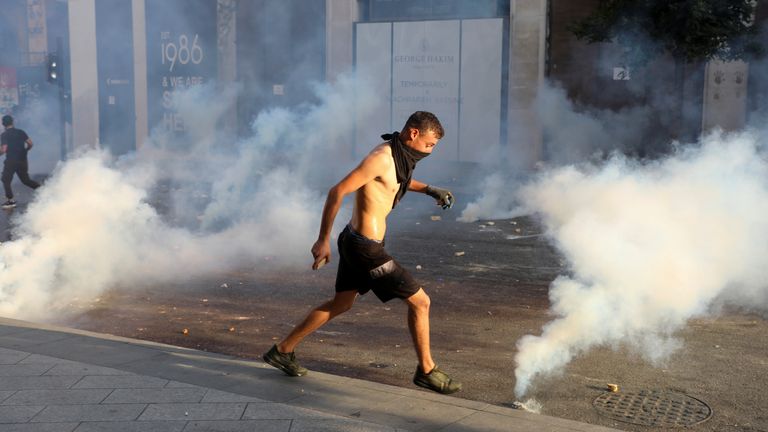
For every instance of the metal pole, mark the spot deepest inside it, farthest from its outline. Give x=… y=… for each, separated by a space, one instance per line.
x=62 y=98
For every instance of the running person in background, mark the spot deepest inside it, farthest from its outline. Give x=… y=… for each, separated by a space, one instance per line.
x=15 y=144
x=379 y=182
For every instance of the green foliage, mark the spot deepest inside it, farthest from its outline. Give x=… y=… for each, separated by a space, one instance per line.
x=690 y=30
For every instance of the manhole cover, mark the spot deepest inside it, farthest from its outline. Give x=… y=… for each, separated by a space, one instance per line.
x=653 y=408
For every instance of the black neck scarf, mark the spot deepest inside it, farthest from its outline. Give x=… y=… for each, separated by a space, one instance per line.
x=405 y=161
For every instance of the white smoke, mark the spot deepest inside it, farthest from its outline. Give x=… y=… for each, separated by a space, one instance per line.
x=92 y=226
x=571 y=134
x=650 y=246
x=498 y=200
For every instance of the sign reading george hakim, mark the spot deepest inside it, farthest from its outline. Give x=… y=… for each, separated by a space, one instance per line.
x=434 y=59
x=424 y=84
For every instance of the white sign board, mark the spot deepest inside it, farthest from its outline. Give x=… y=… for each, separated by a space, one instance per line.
x=425 y=76
x=725 y=95
x=452 y=68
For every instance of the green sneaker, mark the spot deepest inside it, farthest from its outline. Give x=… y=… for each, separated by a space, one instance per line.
x=436 y=380
x=286 y=362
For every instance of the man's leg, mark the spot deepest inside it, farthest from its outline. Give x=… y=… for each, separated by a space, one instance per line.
x=340 y=303
x=418 y=324
x=427 y=375
x=23 y=173
x=7 y=177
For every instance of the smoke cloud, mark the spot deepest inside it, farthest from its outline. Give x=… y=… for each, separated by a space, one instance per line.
x=101 y=223
x=650 y=246
x=591 y=133
x=571 y=134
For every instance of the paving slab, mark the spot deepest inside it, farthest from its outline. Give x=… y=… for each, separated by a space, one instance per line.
x=56 y=379
x=194 y=411
x=164 y=395
x=158 y=426
x=19 y=414
x=90 y=412
x=240 y=426
x=102 y=353
x=18 y=370
x=57 y=397
x=120 y=381
x=32 y=358
x=218 y=396
x=9 y=356
x=334 y=425
x=83 y=369
x=179 y=384
x=31 y=337
x=5 y=394
x=37 y=382
x=38 y=427
x=271 y=411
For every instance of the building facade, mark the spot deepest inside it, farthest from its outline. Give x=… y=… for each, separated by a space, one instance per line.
x=477 y=64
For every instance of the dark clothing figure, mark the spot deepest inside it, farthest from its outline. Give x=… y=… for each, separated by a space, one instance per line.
x=21 y=169
x=16 y=140
x=15 y=143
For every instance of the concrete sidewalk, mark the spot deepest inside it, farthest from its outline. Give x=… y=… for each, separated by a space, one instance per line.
x=55 y=379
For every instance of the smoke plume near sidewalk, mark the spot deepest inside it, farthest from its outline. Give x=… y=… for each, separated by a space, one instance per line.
x=650 y=246
x=94 y=225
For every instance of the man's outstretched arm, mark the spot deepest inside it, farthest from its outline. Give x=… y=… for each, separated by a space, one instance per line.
x=444 y=197
x=374 y=165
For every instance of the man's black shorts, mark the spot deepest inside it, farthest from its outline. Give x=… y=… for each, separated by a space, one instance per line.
x=365 y=265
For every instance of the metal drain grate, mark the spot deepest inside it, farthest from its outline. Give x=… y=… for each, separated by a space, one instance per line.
x=653 y=408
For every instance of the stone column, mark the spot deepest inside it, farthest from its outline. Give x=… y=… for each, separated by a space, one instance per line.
x=340 y=16
x=140 y=70
x=226 y=19
x=37 y=33
x=527 y=37
x=84 y=73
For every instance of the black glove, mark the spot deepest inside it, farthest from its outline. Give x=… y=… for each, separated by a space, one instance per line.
x=444 y=197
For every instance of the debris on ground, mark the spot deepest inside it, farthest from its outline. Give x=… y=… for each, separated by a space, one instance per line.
x=436 y=218
x=613 y=388
x=459 y=253
x=185 y=332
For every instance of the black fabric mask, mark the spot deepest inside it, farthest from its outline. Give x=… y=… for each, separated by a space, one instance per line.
x=405 y=161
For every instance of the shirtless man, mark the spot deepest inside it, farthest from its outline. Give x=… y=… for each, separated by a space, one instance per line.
x=380 y=181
